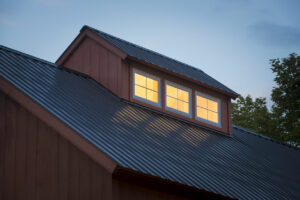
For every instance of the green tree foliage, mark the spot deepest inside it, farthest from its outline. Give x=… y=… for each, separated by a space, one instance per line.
x=283 y=122
x=253 y=115
x=286 y=97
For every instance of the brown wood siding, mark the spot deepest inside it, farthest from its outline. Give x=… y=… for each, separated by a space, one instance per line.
x=226 y=125
x=127 y=191
x=37 y=163
x=102 y=65
x=130 y=184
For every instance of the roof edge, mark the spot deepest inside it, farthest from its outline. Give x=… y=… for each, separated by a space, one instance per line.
x=244 y=130
x=42 y=61
x=28 y=56
x=61 y=128
x=215 y=89
x=85 y=32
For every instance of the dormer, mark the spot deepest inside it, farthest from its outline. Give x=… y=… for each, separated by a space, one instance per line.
x=150 y=79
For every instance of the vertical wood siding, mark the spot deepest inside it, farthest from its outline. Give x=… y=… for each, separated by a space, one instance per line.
x=37 y=163
x=92 y=59
x=128 y=191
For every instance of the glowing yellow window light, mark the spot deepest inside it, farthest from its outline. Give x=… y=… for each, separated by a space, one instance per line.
x=177 y=99
x=145 y=87
x=207 y=109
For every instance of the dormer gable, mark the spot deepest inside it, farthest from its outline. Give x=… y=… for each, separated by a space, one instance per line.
x=147 y=78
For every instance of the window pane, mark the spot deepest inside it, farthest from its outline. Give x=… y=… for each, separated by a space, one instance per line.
x=212 y=105
x=171 y=91
x=183 y=106
x=152 y=84
x=152 y=96
x=201 y=102
x=172 y=103
x=212 y=116
x=183 y=95
x=140 y=91
x=140 y=80
x=201 y=113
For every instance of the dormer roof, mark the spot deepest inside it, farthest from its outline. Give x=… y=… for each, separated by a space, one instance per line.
x=139 y=53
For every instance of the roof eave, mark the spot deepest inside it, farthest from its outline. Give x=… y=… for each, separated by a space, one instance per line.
x=84 y=33
x=231 y=95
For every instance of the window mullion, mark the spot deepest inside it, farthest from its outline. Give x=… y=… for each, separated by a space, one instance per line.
x=206 y=109
x=152 y=95
x=146 y=88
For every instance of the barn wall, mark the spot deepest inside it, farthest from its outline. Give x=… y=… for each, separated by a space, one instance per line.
x=37 y=163
x=102 y=65
x=124 y=190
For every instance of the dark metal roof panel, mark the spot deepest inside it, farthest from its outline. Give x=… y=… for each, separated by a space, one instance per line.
x=243 y=166
x=165 y=62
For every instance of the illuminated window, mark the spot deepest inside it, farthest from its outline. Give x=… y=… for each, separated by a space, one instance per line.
x=208 y=109
x=178 y=99
x=146 y=87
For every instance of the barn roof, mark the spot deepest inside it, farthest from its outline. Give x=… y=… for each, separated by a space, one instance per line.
x=244 y=165
x=162 y=61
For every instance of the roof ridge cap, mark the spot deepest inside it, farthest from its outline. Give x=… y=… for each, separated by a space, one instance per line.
x=265 y=137
x=36 y=59
x=28 y=56
x=143 y=48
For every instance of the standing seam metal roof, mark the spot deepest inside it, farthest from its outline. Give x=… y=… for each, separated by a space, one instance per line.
x=160 y=60
x=243 y=166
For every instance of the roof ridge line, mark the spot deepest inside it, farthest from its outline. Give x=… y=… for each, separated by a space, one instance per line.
x=28 y=56
x=265 y=137
x=36 y=59
x=143 y=48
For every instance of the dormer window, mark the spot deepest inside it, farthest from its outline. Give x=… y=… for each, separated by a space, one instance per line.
x=178 y=99
x=146 y=87
x=208 y=109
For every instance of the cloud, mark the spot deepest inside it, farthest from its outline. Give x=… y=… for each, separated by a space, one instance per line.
x=275 y=34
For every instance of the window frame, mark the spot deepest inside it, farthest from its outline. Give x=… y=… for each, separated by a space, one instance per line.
x=158 y=104
x=219 y=124
x=190 y=114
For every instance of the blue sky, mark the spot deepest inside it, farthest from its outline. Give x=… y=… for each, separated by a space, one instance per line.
x=231 y=40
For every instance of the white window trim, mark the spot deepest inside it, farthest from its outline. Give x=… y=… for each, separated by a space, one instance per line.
x=158 y=104
x=190 y=99
x=219 y=109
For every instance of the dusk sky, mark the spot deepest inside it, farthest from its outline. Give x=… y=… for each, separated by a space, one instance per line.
x=230 y=40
